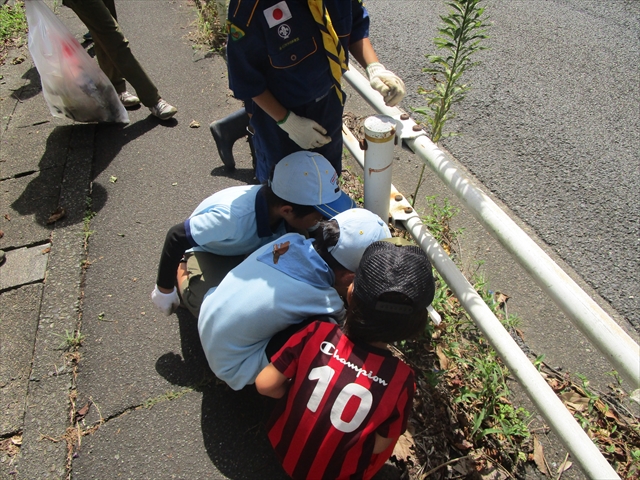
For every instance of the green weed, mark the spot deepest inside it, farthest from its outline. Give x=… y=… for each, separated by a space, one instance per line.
x=89 y=214
x=13 y=22
x=211 y=29
x=166 y=397
x=70 y=340
x=13 y=27
x=438 y=221
x=471 y=375
x=461 y=34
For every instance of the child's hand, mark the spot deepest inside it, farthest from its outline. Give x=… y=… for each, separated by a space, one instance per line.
x=166 y=302
x=390 y=86
x=304 y=131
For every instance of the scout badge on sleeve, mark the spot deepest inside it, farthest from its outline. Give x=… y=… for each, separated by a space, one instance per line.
x=234 y=32
x=279 y=249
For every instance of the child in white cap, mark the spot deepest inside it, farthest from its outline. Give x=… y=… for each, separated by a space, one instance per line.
x=234 y=222
x=273 y=291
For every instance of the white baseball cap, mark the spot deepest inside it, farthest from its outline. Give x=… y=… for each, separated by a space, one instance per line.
x=307 y=178
x=359 y=228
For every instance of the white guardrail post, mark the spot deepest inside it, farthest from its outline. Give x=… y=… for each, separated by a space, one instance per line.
x=380 y=138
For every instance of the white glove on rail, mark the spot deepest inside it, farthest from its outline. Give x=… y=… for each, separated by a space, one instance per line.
x=390 y=86
x=304 y=131
x=166 y=302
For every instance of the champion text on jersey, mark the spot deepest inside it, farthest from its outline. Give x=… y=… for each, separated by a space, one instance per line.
x=277 y=14
x=329 y=349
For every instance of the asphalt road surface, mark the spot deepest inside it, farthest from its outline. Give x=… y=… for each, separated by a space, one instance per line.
x=551 y=125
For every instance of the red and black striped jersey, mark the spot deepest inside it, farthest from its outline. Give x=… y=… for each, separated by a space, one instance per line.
x=341 y=394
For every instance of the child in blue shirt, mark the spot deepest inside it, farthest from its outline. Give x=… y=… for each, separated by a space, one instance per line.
x=234 y=222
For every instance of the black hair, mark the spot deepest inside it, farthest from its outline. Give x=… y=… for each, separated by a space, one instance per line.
x=366 y=324
x=298 y=211
x=325 y=236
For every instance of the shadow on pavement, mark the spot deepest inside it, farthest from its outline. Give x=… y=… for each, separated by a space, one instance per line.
x=31 y=89
x=233 y=423
x=245 y=175
x=36 y=199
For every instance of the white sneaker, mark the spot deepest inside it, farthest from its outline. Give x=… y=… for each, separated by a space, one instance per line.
x=163 y=110
x=128 y=99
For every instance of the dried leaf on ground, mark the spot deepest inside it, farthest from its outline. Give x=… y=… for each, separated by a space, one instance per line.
x=538 y=456
x=463 y=445
x=495 y=474
x=501 y=298
x=11 y=446
x=574 y=401
x=444 y=361
x=465 y=466
x=564 y=466
x=605 y=410
x=80 y=414
x=56 y=215
x=194 y=124
x=404 y=448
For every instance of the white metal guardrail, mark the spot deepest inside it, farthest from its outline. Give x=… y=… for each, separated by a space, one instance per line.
x=600 y=329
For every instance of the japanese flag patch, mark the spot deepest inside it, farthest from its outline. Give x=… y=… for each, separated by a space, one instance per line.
x=277 y=14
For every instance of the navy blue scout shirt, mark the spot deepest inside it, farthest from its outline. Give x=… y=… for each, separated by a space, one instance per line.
x=276 y=45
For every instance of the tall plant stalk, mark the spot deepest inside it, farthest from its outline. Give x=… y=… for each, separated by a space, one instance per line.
x=462 y=32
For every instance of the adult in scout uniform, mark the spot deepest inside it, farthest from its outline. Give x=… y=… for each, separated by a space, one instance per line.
x=285 y=61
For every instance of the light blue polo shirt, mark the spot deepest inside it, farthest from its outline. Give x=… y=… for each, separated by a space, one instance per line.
x=259 y=298
x=233 y=221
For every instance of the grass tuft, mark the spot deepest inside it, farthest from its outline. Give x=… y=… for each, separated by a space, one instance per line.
x=13 y=27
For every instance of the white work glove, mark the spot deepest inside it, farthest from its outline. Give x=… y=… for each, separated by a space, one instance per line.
x=166 y=302
x=304 y=131
x=387 y=83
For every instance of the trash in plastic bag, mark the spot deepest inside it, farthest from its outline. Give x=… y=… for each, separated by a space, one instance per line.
x=72 y=82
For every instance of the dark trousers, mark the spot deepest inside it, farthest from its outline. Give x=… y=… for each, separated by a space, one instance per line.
x=112 y=48
x=271 y=143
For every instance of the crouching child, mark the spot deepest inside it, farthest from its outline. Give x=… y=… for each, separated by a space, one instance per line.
x=345 y=399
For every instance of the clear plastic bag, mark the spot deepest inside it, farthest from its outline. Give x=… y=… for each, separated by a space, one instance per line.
x=72 y=82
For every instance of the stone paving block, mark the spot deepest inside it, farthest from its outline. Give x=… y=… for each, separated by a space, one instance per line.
x=25 y=265
x=44 y=450
x=26 y=204
x=34 y=148
x=18 y=325
x=12 y=81
x=184 y=438
x=59 y=309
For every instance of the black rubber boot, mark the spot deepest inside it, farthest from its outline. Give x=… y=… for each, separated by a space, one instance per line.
x=226 y=131
x=252 y=148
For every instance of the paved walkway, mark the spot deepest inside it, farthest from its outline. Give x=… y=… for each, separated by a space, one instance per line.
x=140 y=390
x=146 y=403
